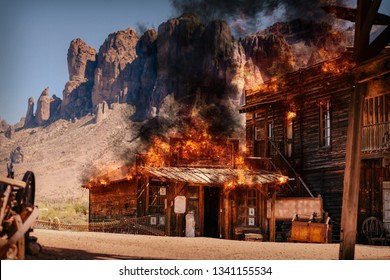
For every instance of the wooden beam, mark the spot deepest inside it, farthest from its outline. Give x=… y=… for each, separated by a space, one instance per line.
x=266 y=132
x=201 y=210
x=369 y=18
x=170 y=197
x=352 y=175
x=272 y=221
x=12 y=182
x=225 y=215
x=361 y=39
x=264 y=198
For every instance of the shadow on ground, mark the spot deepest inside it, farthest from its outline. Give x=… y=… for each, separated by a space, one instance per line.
x=51 y=253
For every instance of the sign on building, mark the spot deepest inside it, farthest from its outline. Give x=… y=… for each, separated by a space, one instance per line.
x=180 y=204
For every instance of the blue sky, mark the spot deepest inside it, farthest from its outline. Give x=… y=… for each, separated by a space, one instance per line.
x=35 y=36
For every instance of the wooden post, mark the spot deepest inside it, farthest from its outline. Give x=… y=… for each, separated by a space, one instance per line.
x=272 y=220
x=225 y=215
x=201 y=210
x=147 y=196
x=263 y=213
x=352 y=175
x=177 y=227
x=170 y=194
x=266 y=154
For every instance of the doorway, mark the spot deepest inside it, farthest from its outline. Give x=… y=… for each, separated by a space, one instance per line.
x=211 y=212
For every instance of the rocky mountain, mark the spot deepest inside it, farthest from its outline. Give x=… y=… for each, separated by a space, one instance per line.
x=63 y=152
x=184 y=58
x=3 y=125
x=162 y=76
x=77 y=98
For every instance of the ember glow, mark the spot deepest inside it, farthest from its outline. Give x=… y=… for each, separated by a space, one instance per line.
x=193 y=145
x=110 y=174
x=273 y=85
x=282 y=180
x=337 y=68
x=291 y=115
x=97 y=182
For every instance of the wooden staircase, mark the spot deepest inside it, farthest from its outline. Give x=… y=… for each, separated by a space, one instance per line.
x=296 y=186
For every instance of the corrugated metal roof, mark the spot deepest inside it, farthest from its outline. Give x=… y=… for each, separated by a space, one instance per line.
x=213 y=176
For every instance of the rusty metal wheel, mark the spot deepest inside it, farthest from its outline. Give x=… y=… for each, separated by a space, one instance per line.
x=25 y=196
x=29 y=192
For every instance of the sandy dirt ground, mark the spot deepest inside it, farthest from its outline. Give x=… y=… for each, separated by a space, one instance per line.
x=64 y=245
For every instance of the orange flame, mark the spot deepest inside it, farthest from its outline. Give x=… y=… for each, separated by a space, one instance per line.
x=274 y=85
x=336 y=67
x=193 y=146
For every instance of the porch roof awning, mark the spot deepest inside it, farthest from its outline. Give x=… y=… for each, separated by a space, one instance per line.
x=214 y=176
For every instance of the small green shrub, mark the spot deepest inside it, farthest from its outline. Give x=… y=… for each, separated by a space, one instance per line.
x=69 y=212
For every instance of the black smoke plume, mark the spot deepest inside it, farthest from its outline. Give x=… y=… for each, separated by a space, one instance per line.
x=247 y=16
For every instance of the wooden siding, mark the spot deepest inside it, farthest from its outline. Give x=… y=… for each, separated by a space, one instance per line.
x=321 y=167
x=113 y=201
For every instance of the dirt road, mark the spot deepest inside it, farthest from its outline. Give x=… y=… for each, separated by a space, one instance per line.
x=91 y=245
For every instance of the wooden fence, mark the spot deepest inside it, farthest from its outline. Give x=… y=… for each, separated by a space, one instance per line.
x=139 y=225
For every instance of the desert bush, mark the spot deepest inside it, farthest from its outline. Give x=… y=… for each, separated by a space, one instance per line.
x=69 y=212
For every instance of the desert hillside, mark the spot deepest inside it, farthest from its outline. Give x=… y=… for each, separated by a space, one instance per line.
x=67 y=151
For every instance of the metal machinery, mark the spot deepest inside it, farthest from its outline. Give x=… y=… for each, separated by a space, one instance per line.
x=18 y=213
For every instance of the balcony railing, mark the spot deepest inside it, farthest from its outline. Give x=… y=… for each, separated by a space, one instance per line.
x=376 y=137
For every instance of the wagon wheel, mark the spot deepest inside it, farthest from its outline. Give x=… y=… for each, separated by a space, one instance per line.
x=26 y=196
x=29 y=192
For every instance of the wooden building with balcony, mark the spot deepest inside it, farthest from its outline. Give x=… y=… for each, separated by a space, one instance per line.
x=299 y=123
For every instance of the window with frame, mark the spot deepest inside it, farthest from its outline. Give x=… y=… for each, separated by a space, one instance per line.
x=325 y=123
x=289 y=134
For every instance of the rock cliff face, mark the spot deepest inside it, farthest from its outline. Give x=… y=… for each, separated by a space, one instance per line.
x=3 y=125
x=114 y=57
x=192 y=62
x=29 y=120
x=77 y=99
x=42 y=115
x=140 y=76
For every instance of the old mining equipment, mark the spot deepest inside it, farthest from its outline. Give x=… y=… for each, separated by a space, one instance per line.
x=18 y=213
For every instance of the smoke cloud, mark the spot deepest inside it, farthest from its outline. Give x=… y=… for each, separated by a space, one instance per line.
x=248 y=16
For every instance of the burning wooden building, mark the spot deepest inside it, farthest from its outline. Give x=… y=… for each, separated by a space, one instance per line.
x=299 y=122
x=112 y=196
x=224 y=197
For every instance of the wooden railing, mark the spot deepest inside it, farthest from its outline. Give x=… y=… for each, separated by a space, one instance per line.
x=136 y=225
x=376 y=137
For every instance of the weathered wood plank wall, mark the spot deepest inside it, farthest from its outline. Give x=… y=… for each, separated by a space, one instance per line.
x=114 y=201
